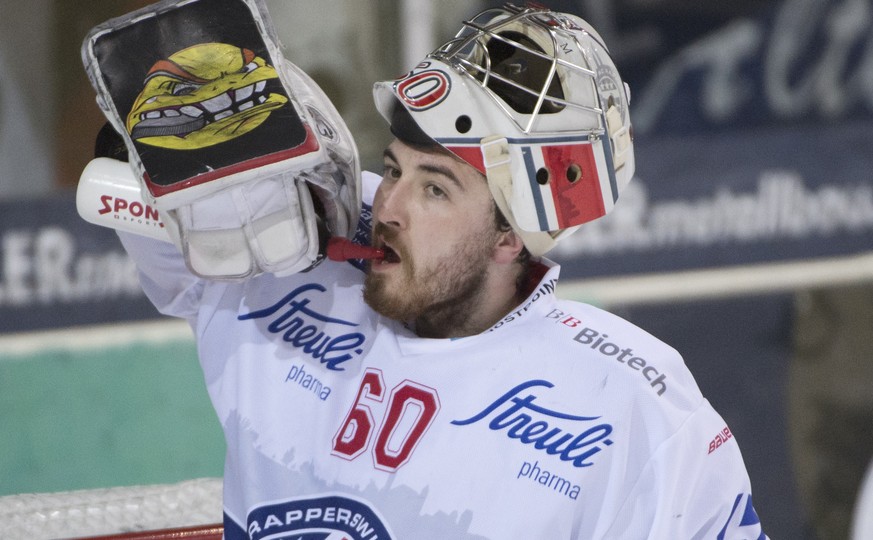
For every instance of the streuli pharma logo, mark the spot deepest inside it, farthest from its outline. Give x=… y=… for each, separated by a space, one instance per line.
x=297 y=321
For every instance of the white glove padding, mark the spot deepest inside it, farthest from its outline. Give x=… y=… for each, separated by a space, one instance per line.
x=273 y=228
x=228 y=148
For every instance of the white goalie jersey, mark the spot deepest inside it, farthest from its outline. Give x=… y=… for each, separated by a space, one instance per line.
x=562 y=421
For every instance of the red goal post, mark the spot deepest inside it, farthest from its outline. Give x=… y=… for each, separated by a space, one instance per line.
x=206 y=532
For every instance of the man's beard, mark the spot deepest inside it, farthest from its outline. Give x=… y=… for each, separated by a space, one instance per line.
x=444 y=295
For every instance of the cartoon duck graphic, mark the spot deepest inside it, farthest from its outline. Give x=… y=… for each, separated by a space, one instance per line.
x=203 y=95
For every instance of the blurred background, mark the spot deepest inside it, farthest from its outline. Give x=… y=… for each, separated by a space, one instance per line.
x=745 y=241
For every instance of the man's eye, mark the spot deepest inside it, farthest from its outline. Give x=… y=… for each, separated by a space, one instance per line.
x=436 y=191
x=390 y=171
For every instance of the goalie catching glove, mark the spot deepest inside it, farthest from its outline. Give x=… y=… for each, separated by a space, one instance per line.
x=247 y=161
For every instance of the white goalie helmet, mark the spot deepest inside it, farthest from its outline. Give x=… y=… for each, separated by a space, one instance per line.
x=532 y=99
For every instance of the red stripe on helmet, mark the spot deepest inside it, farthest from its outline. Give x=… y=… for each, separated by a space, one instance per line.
x=577 y=199
x=471 y=155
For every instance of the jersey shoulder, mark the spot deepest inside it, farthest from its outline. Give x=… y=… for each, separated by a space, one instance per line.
x=638 y=365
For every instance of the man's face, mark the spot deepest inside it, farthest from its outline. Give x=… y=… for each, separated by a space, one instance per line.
x=434 y=216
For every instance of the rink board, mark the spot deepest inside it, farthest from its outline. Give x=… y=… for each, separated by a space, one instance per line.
x=104 y=406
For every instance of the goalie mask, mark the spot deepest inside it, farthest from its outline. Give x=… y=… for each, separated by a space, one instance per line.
x=531 y=99
x=245 y=158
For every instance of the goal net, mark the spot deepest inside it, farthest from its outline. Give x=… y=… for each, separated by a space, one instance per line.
x=190 y=510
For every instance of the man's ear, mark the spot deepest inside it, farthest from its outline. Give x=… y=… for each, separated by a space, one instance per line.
x=508 y=246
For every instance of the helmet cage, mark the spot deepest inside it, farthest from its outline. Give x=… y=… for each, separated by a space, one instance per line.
x=469 y=53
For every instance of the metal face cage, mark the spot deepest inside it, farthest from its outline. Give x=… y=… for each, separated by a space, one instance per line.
x=518 y=56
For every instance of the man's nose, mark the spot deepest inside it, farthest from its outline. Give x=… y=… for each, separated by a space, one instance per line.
x=391 y=203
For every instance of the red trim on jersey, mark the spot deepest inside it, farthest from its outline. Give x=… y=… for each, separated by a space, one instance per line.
x=536 y=272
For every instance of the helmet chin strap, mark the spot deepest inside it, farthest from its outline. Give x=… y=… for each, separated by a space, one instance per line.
x=620 y=135
x=496 y=160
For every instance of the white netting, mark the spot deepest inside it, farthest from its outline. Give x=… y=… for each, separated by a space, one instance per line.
x=74 y=514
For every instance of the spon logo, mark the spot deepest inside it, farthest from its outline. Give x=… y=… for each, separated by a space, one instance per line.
x=128 y=211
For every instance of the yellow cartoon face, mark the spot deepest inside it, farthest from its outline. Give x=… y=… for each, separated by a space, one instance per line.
x=201 y=96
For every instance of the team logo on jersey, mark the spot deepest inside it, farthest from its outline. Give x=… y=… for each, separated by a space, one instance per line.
x=569 y=437
x=333 y=517
x=329 y=340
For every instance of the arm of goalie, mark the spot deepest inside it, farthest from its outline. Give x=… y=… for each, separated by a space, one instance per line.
x=109 y=195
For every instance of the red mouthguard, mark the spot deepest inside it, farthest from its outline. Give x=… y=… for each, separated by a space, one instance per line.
x=343 y=249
